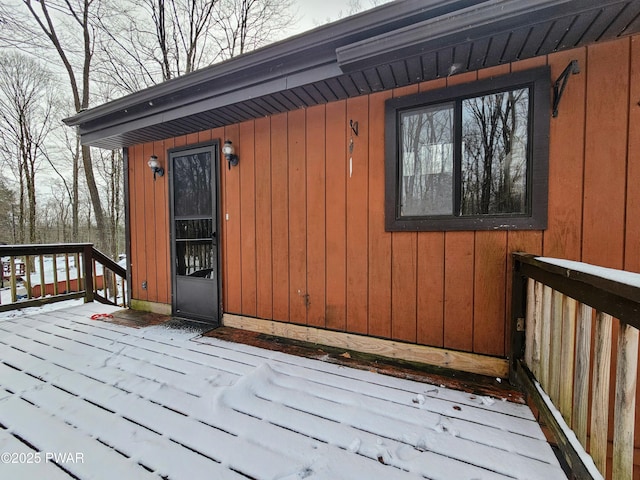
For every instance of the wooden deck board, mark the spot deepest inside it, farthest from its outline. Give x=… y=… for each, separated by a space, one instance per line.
x=156 y=402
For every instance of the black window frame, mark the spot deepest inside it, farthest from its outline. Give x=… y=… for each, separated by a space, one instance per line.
x=539 y=84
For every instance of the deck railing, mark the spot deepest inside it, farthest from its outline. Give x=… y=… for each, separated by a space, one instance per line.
x=569 y=320
x=34 y=275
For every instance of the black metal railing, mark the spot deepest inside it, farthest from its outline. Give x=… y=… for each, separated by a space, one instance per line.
x=34 y=275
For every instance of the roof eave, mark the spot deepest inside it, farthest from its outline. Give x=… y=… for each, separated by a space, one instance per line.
x=311 y=49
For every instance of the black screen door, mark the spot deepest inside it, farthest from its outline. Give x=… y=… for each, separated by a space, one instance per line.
x=194 y=222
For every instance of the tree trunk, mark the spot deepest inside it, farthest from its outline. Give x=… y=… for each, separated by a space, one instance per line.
x=94 y=195
x=75 y=221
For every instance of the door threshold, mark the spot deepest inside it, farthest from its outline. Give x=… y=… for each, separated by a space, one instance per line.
x=181 y=323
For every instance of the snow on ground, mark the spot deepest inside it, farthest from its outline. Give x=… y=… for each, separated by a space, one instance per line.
x=60 y=268
x=91 y=399
x=21 y=312
x=48 y=271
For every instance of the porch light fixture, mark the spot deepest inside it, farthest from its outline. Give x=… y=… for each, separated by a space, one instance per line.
x=229 y=152
x=155 y=167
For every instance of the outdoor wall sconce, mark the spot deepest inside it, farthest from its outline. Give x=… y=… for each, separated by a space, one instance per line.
x=155 y=167
x=229 y=153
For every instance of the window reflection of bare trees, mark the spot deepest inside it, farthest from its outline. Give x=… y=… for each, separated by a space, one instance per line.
x=192 y=185
x=493 y=166
x=193 y=213
x=494 y=155
x=427 y=161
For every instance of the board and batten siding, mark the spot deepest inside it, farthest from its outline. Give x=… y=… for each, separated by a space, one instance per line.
x=302 y=217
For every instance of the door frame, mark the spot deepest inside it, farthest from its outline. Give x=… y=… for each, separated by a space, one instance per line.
x=214 y=145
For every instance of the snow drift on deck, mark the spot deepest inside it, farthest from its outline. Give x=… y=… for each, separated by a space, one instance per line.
x=158 y=403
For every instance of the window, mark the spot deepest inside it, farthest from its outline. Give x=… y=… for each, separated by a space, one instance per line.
x=470 y=157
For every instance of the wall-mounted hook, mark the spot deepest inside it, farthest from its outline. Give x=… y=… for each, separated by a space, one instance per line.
x=354 y=127
x=561 y=83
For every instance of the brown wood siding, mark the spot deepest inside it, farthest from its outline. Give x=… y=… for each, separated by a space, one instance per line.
x=379 y=248
x=231 y=227
x=357 y=175
x=280 y=226
x=263 y=219
x=149 y=220
x=335 y=221
x=304 y=241
x=297 y=217
x=316 y=215
x=246 y=148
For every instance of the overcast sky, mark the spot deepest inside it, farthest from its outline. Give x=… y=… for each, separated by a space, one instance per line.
x=313 y=13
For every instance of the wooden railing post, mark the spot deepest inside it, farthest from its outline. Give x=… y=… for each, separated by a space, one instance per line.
x=87 y=260
x=625 y=402
x=81 y=284
x=582 y=369
x=518 y=306
x=109 y=269
x=14 y=286
x=600 y=385
x=567 y=366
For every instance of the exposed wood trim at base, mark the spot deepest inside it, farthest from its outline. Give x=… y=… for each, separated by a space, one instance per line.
x=571 y=456
x=143 y=305
x=462 y=361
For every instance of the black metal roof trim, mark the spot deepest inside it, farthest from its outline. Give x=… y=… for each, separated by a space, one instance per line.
x=300 y=54
x=477 y=22
x=397 y=44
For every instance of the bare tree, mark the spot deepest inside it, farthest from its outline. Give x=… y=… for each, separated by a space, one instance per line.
x=150 y=41
x=110 y=169
x=56 y=223
x=427 y=161
x=6 y=215
x=69 y=27
x=494 y=157
x=244 y=25
x=26 y=108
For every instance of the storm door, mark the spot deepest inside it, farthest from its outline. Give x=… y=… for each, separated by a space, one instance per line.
x=194 y=221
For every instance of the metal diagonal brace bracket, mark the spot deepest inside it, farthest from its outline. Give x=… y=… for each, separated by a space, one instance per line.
x=561 y=83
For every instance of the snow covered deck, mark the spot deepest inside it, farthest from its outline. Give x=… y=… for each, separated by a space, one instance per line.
x=107 y=401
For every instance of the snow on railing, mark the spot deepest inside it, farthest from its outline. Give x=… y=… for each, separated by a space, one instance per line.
x=555 y=304
x=38 y=274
